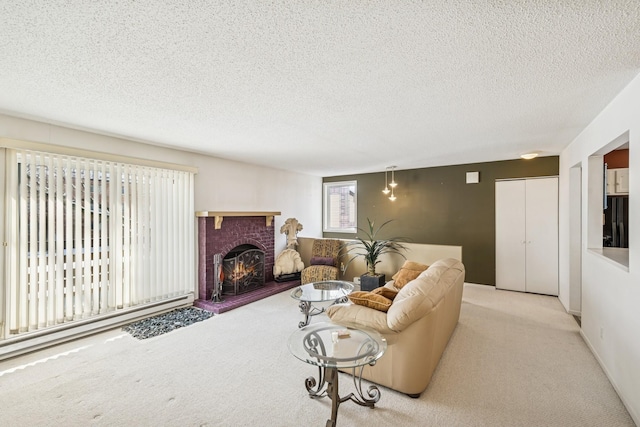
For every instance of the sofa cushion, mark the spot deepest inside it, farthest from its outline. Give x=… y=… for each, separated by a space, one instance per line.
x=385 y=292
x=359 y=316
x=371 y=300
x=318 y=273
x=409 y=271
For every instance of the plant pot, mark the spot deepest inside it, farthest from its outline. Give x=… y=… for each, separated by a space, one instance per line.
x=369 y=283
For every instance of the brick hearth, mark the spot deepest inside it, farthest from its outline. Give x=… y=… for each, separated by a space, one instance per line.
x=233 y=301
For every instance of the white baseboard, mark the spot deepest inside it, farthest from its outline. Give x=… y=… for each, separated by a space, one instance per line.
x=634 y=416
x=40 y=339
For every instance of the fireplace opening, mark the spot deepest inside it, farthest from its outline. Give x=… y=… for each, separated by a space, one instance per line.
x=243 y=270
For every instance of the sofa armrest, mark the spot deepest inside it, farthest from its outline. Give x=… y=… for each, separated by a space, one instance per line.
x=359 y=316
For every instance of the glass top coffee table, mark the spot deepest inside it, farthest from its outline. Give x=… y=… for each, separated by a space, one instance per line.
x=331 y=347
x=328 y=290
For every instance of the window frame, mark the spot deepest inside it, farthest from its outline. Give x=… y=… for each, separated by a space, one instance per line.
x=326 y=207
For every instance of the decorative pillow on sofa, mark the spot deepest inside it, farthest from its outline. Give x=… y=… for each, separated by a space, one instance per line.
x=318 y=260
x=409 y=271
x=371 y=300
x=385 y=292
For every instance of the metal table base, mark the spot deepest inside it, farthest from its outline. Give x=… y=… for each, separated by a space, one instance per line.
x=308 y=310
x=327 y=386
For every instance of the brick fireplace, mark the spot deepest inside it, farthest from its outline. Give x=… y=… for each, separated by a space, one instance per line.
x=221 y=233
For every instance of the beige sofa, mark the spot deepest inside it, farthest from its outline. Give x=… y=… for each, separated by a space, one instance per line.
x=417 y=326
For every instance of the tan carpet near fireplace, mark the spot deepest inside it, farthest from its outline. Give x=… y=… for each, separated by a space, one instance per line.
x=514 y=360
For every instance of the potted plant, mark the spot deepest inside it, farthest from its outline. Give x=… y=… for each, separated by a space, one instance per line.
x=371 y=248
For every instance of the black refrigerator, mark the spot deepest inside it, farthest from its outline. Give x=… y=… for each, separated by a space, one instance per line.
x=616 y=222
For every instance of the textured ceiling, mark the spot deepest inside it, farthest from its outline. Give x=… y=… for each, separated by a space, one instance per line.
x=322 y=87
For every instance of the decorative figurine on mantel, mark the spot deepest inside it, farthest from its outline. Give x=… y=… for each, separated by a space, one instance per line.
x=288 y=264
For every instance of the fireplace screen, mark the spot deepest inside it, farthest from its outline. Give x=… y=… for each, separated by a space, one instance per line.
x=243 y=270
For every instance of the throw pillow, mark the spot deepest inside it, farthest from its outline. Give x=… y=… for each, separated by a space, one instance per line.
x=318 y=260
x=385 y=292
x=409 y=271
x=371 y=300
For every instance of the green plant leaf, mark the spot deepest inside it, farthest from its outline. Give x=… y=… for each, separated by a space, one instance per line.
x=371 y=248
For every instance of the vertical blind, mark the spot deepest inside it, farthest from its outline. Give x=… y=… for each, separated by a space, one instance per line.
x=89 y=237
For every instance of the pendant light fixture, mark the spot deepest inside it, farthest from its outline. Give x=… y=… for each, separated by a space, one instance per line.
x=393 y=184
x=386 y=186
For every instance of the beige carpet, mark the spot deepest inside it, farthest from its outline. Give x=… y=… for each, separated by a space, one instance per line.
x=514 y=360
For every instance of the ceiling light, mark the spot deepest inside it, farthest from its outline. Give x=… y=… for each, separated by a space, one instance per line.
x=530 y=156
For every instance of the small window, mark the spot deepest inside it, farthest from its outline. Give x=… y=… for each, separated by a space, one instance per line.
x=340 y=207
x=608 y=216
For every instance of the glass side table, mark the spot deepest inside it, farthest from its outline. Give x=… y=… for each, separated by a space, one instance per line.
x=329 y=290
x=331 y=347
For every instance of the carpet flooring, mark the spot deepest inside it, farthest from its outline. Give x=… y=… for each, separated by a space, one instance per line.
x=514 y=360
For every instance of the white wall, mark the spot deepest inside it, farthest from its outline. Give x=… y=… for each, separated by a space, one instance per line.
x=610 y=293
x=220 y=185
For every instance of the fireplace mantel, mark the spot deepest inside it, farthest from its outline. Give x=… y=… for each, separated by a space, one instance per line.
x=219 y=216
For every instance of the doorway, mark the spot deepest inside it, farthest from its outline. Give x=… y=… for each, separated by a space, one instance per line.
x=575 y=240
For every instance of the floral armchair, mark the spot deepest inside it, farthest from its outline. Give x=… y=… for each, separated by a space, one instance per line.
x=325 y=254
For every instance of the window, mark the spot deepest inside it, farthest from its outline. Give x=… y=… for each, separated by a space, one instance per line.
x=608 y=212
x=91 y=237
x=340 y=207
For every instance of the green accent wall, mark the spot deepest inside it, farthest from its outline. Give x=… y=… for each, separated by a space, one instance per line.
x=436 y=206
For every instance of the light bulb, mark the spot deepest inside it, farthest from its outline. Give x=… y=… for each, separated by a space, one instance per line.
x=393 y=182
x=386 y=186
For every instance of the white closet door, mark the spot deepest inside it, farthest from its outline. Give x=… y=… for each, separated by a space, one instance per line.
x=542 y=235
x=510 y=235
